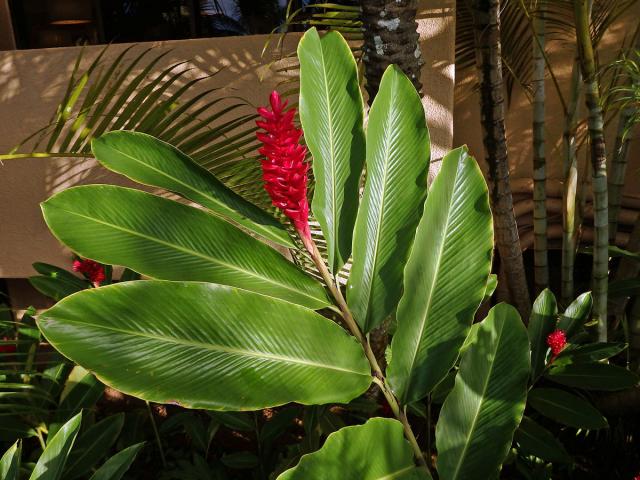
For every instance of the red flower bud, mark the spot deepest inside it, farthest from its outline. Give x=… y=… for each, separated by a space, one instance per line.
x=90 y=269
x=556 y=341
x=284 y=170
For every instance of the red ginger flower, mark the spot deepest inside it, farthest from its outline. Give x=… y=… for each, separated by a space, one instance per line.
x=284 y=170
x=556 y=340
x=92 y=270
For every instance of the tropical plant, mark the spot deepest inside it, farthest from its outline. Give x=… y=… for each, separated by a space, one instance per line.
x=225 y=309
x=70 y=454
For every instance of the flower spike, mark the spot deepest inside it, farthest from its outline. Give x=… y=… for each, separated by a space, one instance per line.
x=284 y=170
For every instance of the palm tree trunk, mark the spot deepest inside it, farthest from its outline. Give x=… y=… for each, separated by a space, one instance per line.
x=487 y=39
x=570 y=170
x=599 y=167
x=390 y=36
x=541 y=267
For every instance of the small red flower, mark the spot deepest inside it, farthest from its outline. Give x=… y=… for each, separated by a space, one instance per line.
x=90 y=269
x=7 y=348
x=284 y=170
x=556 y=340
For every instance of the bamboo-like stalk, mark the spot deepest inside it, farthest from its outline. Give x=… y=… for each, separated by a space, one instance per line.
x=634 y=332
x=599 y=167
x=619 y=168
x=486 y=20
x=541 y=266
x=570 y=173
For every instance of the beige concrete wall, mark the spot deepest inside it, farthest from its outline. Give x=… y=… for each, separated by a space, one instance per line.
x=519 y=134
x=33 y=83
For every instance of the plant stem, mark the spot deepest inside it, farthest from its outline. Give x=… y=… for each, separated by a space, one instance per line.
x=157 y=435
x=378 y=376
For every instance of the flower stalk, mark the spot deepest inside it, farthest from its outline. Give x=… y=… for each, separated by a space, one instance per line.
x=285 y=177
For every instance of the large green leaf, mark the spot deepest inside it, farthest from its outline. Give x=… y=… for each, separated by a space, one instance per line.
x=93 y=445
x=566 y=408
x=170 y=241
x=480 y=415
x=534 y=439
x=206 y=346
x=52 y=461
x=397 y=165
x=589 y=353
x=541 y=324
x=10 y=462
x=117 y=466
x=331 y=112
x=148 y=160
x=376 y=450
x=444 y=279
x=593 y=376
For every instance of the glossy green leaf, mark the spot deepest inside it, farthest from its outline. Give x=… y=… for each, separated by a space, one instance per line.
x=566 y=408
x=150 y=161
x=589 y=353
x=398 y=154
x=593 y=376
x=92 y=445
x=480 y=415
x=52 y=461
x=534 y=439
x=170 y=241
x=10 y=462
x=331 y=112
x=117 y=466
x=206 y=346
x=55 y=282
x=576 y=314
x=376 y=450
x=541 y=324
x=445 y=278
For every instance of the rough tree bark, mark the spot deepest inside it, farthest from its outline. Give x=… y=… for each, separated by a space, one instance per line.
x=390 y=37
x=598 y=166
x=486 y=21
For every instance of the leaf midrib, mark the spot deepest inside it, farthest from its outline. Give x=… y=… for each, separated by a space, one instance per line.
x=334 y=209
x=212 y=347
x=369 y=286
x=191 y=252
x=494 y=354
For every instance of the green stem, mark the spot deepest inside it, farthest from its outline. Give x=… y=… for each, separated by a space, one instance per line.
x=378 y=376
x=156 y=433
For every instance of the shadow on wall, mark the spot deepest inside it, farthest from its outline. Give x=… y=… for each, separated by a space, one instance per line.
x=35 y=81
